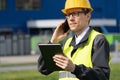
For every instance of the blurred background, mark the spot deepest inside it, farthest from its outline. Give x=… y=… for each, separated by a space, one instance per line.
x=25 y=23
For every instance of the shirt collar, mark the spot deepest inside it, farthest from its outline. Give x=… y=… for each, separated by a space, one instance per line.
x=79 y=37
x=83 y=41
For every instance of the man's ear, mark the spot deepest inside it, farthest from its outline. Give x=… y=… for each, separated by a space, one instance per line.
x=88 y=15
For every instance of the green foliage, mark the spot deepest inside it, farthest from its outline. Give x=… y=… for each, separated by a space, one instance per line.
x=27 y=75
x=112 y=38
x=115 y=71
x=35 y=75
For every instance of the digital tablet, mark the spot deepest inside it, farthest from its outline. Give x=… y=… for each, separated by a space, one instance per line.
x=47 y=52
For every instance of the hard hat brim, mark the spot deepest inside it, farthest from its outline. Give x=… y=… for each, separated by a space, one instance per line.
x=64 y=10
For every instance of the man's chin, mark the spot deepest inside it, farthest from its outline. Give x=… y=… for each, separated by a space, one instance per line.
x=72 y=29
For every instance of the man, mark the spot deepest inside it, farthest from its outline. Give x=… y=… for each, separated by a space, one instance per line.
x=86 y=53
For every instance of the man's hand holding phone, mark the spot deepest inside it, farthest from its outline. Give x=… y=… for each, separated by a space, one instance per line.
x=60 y=32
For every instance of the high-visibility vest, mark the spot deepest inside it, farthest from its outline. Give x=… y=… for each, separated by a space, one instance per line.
x=81 y=56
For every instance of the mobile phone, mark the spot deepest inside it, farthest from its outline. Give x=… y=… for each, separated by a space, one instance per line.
x=65 y=26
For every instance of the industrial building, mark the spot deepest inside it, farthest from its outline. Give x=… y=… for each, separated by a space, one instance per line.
x=24 y=23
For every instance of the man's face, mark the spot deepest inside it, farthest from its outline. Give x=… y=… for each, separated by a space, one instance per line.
x=77 y=19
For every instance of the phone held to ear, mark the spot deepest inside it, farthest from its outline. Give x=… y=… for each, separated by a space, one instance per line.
x=65 y=26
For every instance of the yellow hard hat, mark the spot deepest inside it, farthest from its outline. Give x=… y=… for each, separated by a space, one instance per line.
x=77 y=4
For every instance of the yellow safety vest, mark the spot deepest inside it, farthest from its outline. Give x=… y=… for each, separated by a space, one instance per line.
x=81 y=56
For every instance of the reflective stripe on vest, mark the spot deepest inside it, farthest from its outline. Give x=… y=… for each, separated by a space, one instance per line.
x=66 y=74
x=81 y=56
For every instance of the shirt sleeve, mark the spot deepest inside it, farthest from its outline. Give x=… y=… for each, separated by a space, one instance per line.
x=100 y=60
x=41 y=65
x=42 y=68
